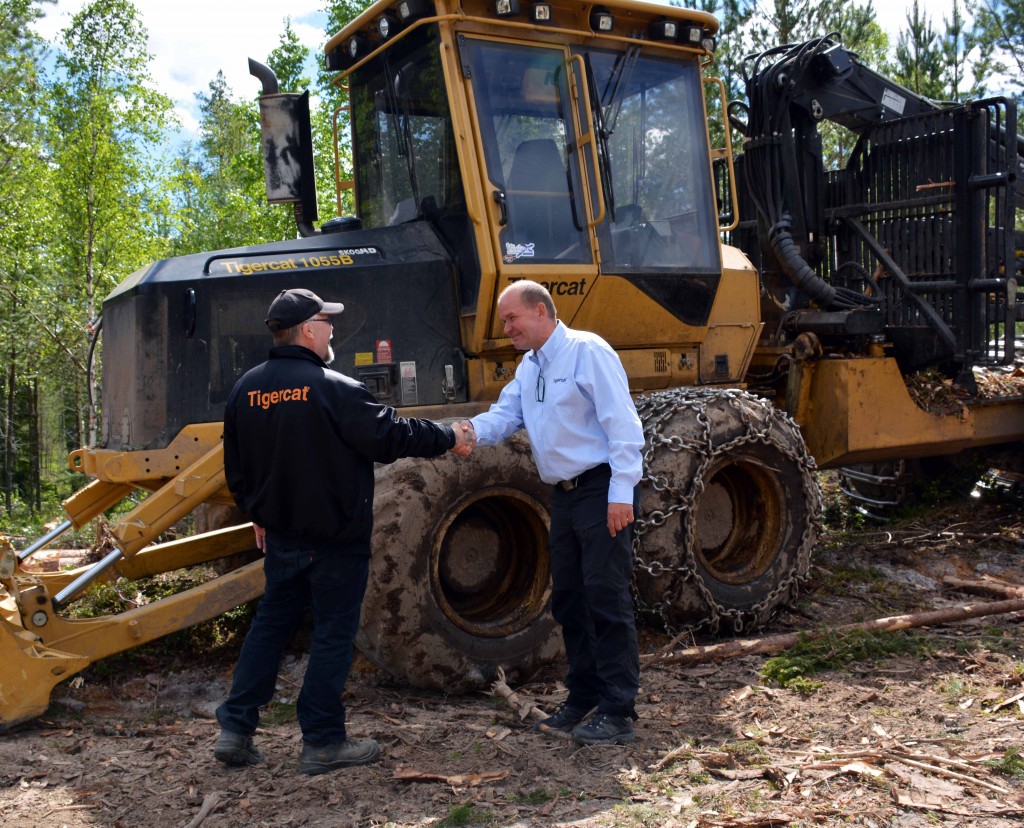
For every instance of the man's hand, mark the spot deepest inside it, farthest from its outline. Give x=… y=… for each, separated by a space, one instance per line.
x=465 y=439
x=261 y=538
x=620 y=515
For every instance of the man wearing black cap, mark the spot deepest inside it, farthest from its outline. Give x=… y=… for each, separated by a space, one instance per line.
x=300 y=441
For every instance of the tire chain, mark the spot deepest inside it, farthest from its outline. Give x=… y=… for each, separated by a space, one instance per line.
x=655 y=410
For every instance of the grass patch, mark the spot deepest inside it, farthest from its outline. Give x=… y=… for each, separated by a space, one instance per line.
x=638 y=815
x=466 y=814
x=746 y=752
x=834 y=652
x=953 y=688
x=1012 y=764
x=846 y=576
x=277 y=713
x=538 y=796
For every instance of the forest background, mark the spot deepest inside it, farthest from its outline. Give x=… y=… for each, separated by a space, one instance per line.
x=90 y=189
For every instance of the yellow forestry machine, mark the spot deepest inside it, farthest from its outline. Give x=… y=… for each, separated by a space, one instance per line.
x=565 y=142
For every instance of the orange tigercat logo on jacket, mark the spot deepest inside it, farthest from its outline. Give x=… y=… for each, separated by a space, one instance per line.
x=265 y=399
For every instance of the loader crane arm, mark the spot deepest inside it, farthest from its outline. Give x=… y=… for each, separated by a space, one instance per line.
x=920 y=177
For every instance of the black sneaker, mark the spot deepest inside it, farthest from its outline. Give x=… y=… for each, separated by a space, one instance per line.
x=236 y=749
x=565 y=718
x=604 y=729
x=323 y=758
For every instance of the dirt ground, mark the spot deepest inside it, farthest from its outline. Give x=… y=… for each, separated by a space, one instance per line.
x=930 y=732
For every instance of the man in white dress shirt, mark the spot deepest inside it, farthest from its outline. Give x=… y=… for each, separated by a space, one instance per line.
x=571 y=394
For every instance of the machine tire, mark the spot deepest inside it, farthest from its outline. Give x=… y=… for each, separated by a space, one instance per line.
x=459 y=579
x=729 y=509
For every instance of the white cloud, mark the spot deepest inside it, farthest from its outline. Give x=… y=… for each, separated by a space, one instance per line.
x=191 y=40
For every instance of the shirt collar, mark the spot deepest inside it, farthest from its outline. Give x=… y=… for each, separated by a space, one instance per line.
x=547 y=351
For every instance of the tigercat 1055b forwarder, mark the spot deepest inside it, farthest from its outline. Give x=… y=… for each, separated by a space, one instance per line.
x=568 y=143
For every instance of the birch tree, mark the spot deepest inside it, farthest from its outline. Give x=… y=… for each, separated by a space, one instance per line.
x=104 y=120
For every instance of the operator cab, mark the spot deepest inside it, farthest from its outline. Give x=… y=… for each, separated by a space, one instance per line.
x=582 y=158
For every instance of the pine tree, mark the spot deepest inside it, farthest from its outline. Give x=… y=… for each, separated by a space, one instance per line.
x=918 y=65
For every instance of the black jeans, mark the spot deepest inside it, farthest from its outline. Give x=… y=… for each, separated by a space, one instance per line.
x=334 y=582
x=590 y=598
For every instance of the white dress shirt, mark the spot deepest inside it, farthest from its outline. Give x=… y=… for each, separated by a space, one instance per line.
x=572 y=396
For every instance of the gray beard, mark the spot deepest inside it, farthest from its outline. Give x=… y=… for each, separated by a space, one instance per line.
x=330 y=355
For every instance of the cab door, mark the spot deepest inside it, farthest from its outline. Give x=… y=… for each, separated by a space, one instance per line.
x=536 y=143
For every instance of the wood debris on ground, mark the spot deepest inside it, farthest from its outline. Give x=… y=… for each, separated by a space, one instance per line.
x=933 y=391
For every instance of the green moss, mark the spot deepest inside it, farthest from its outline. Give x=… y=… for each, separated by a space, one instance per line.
x=834 y=652
x=466 y=814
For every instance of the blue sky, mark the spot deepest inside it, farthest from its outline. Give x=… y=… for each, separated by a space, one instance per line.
x=191 y=39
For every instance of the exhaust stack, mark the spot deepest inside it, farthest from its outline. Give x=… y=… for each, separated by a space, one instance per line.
x=287 y=139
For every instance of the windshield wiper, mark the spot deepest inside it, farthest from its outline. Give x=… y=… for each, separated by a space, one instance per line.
x=600 y=126
x=398 y=109
x=618 y=83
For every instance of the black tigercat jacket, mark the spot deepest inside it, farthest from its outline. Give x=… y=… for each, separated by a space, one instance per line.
x=300 y=441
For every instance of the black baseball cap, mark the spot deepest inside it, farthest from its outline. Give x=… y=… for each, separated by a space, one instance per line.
x=295 y=306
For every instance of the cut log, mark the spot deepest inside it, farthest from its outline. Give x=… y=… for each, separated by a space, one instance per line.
x=987 y=588
x=778 y=643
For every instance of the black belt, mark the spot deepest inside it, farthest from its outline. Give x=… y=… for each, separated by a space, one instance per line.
x=583 y=477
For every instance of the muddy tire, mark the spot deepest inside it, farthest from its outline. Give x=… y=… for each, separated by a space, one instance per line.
x=459 y=578
x=729 y=510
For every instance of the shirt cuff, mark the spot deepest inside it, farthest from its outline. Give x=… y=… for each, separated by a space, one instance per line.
x=619 y=493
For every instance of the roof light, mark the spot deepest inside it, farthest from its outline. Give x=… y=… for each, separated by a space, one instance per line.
x=357 y=46
x=601 y=20
x=413 y=10
x=709 y=44
x=387 y=25
x=540 y=13
x=664 y=30
x=691 y=35
x=506 y=8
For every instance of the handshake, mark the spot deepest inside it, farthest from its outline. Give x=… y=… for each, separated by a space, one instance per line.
x=465 y=438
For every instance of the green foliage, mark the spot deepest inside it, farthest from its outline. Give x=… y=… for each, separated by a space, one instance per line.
x=288 y=60
x=918 y=62
x=833 y=652
x=104 y=599
x=1000 y=23
x=792 y=21
x=25 y=179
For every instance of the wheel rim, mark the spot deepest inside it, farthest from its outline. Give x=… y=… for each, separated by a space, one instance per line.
x=737 y=521
x=489 y=562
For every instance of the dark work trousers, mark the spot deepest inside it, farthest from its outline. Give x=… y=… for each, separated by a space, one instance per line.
x=334 y=582
x=590 y=598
